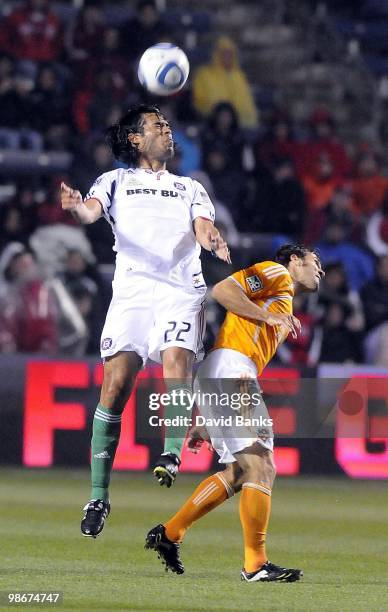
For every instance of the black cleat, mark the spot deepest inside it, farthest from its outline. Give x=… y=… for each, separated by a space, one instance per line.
x=168 y=552
x=166 y=469
x=93 y=522
x=272 y=573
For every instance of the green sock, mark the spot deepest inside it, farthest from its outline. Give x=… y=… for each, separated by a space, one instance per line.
x=175 y=435
x=106 y=435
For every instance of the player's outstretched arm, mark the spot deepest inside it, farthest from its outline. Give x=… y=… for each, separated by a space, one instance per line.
x=84 y=212
x=233 y=298
x=210 y=239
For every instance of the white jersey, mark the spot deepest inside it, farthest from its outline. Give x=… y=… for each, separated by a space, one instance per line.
x=151 y=215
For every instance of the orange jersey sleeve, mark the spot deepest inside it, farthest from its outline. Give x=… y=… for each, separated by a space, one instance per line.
x=269 y=285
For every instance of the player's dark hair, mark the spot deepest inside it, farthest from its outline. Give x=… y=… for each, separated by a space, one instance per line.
x=130 y=123
x=283 y=255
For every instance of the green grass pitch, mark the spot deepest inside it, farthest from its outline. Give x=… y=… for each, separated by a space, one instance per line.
x=336 y=530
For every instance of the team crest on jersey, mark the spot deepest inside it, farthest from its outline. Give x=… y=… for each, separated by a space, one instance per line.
x=254 y=283
x=106 y=343
x=179 y=186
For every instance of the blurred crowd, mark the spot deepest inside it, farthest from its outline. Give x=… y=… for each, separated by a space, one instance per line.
x=64 y=80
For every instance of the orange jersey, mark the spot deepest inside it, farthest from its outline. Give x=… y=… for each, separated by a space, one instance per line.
x=269 y=285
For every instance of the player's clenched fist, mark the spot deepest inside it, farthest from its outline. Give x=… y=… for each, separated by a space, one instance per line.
x=71 y=199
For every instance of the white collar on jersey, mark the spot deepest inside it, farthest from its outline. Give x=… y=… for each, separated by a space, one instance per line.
x=149 y=171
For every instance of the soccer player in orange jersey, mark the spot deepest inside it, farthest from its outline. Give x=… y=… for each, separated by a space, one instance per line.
x=259 y=317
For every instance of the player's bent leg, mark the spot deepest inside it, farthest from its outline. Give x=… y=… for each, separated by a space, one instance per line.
x=168 y=551
x=177 y=372
x=165 y=539
x=119 y=376
x=256 y=481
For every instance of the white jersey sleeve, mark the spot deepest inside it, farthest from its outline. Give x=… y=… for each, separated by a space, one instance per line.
x=201 y=205
x=103 y=190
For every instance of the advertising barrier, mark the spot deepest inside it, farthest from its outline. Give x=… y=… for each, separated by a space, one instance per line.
x=330 y=420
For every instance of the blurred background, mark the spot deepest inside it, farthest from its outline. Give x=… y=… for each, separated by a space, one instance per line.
x=283 y=120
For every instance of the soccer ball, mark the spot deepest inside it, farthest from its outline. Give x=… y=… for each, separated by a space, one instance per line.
x=163 y=69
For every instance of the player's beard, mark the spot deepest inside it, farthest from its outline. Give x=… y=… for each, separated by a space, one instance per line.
x=168 y=153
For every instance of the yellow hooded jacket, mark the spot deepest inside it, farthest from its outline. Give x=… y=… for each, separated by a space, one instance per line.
x=213 y=84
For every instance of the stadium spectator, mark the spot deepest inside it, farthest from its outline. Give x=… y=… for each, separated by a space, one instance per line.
x=228 y=181
x=188 y=154
x=47 y=210
x=280 y=205
x=334 y=289
x=335 y=246
x=52 y=104
x=95 y=159
x=278 y=142
x=32 y=32
x=324 y=142
x=377 y=230
x=143 y=30
x=223 y=80
x=18 y=117
x=338 y=210
x=12 y=225
x=29 y=311
x=106 y=94
x=18 y=217
x=87 y=165
x=111 y=58
x=319 y=187
x=369 y=185
x=302 y=350
x=321 y=184
x=89 y=292
x=374 y=296
x=339 y=344
x=83 y=39
x=223 y=130
x=7 y=70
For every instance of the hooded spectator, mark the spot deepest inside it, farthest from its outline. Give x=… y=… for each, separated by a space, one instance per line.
x=222 y=80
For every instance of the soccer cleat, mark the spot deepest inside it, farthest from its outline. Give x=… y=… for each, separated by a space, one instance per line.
x=168 y=552
x=272 y=573
x=93 y=522
x=166 y=469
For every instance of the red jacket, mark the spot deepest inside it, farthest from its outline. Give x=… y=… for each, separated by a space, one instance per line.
x=32 y=35
x=30 y=318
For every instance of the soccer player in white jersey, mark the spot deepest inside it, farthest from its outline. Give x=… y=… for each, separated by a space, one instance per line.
x=160 y=222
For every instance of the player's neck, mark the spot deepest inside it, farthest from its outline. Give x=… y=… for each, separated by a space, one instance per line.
x=151 y=164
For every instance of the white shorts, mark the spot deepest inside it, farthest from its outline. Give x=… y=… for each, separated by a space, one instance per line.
x=220 y=374
x=147 y=316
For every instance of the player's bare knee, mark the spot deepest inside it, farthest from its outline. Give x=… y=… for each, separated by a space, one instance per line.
x=257 y=465
x=177 y=362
